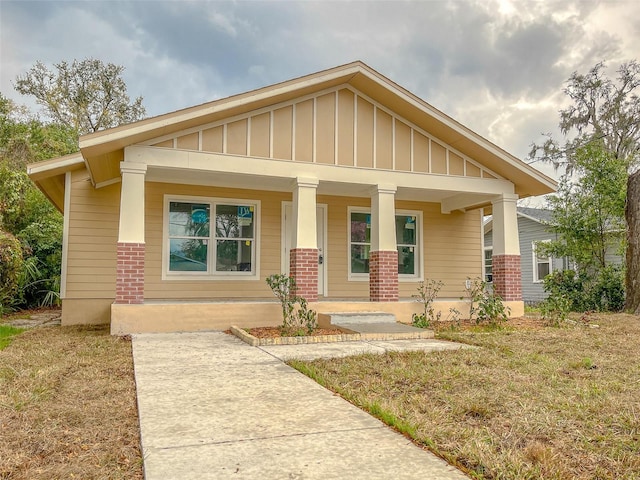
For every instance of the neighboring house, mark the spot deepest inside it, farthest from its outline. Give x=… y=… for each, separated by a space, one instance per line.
x=532 y=228
x=343 y=179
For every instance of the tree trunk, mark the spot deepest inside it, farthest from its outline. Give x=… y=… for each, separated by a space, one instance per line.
x=632 y=214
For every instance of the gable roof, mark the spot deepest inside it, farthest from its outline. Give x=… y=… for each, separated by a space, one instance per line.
x=539 y=215
x=102 y=151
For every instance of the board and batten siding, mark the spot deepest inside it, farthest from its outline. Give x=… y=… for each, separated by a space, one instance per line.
x=339 y=126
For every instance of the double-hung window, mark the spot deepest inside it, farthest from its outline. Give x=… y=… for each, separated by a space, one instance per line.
x=488 y=264
x=542 y=264
x=210 y=238
x=408 y=228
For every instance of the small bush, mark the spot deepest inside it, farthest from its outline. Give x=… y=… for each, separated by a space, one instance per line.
x=295 y=321
x=601 y=291
x=427 y=293
x=11 y=266
x=485 y=306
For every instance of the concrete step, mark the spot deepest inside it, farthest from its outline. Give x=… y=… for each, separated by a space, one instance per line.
x=355 y=318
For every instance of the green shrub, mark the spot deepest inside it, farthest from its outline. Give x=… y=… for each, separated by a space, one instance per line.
x=602 y=291
x=11 y=266
x=295 y=321
x=485 y=306
x=427 y=293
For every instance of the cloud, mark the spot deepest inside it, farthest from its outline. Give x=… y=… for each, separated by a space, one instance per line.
x=497 y=66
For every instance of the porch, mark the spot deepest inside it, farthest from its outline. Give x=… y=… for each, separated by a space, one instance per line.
x=196 y=315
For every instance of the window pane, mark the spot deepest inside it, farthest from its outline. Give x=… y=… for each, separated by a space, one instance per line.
x=406 y=229
x=406 y=261
x=361 y=227
x=188 y=219
x=360 y=258
x=234 y=221
x=187 y=255
x=488 y=265
x=543 y=270
x=233 y=255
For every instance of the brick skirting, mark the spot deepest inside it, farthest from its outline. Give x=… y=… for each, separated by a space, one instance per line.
x=303 y=266
x=130 y=273
x=383 y=276
x=507 y=280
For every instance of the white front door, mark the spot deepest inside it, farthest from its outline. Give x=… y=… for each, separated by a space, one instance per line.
x=287 y=236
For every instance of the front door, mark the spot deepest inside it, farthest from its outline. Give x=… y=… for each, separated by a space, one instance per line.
x=287 y=235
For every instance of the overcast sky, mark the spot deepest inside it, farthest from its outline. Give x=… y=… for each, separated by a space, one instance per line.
x=498 y=67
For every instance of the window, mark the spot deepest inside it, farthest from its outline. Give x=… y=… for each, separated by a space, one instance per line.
x=407 y=238
x=542 y=265
x=488 y=264
x=194 y=248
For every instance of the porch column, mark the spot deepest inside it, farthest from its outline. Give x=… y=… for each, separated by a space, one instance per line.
x=131 y=246
x=383 y=258
x=303 y=259
x=506 y=270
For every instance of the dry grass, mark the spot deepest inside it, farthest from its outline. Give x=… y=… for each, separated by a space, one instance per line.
x=532 y=403
x=68 y=406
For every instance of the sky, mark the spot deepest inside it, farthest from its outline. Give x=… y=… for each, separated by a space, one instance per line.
x=496 y=66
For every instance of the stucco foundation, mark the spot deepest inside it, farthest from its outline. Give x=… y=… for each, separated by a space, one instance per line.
x=86 y=311
x=195 y=316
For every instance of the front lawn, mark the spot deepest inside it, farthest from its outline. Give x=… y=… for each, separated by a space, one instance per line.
x=541 y=403
x=7 y=332
x=68 y=406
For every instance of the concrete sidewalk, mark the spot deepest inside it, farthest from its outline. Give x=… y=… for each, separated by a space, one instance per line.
x=213 y=407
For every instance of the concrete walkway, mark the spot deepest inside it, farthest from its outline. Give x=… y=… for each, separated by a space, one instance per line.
x=213 y=407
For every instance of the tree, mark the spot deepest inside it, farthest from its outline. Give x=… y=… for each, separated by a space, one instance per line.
x=588 y=211
x=608 y=111
x=31 y=228
x=25 y=139
x=85 y=95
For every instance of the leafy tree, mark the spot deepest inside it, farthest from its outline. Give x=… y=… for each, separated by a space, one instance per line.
x=85 y=96
x=588 y=211
x=25 y=139
x=607 y=111
x=27 y=218
x=78 y=98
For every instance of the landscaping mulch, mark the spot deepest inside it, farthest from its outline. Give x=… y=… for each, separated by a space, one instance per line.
x=275 y=332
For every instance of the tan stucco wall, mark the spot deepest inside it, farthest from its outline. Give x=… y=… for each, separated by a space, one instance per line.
x=179 y=317
x=86 y=311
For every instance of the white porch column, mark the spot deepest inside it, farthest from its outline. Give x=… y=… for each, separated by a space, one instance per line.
x=303 y=259
x=506 y=266
x=131 y=226
x=383 y=258
x=131 y=243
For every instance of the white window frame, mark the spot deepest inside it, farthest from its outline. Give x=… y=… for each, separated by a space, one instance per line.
x=211 y=274
x=535 y=260
x=484 y=263
x=364 y=277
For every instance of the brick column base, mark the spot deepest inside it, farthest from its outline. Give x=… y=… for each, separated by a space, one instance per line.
x=130 y=273
x=507 y=281
x=383 y=276
x=303 y=266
